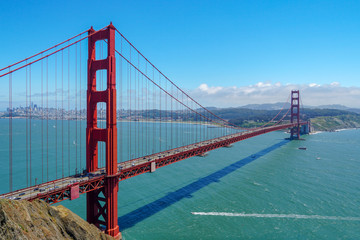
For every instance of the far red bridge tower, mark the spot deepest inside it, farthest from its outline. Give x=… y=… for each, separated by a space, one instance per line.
x=295 y=114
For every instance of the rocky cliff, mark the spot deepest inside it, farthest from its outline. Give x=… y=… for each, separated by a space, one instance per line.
x=38 y=220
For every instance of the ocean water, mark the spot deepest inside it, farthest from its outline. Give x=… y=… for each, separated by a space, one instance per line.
x=261 y=188
x=45 y=150
x=278 y=191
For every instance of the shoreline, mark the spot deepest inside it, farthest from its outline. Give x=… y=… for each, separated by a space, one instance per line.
x=130 y=121
x=331 y=131
x=174 y=122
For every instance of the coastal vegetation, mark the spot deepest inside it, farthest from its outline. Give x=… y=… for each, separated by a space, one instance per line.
x=321 y=119
x=332 y=123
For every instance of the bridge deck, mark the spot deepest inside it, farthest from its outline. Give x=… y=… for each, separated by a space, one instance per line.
x=59 y=190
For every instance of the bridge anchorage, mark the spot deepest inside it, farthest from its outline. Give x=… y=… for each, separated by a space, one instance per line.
x=169 y=104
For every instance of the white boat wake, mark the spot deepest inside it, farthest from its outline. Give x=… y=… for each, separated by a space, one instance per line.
x=256 y=215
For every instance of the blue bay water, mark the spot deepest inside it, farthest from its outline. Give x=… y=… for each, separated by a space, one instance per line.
x=263 y=175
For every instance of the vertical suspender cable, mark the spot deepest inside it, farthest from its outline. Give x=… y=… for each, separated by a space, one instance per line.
x=31 y=106
x=10 y=135
x=143 y=115
x=80 y=143
x=135 y=151
x=188 y=126
x=47 y=119
x=68 y=120
x=119 y=119
x=139 y=154
x=76 y=113
x=177 y=118
x=27 y=131
x=138 y=111
x=147 y=113
x=202 y=127
x=30 y=139
x=183 y=119
x=191 y=119
x=154 y=113
x=56 y=111
x=135 y=113
x=166 y=118
x=120 y=86
x=62 y=113
x=42 y=122
x=129 y=111
x=130 y=122
x=160 y=145
x=118 y=94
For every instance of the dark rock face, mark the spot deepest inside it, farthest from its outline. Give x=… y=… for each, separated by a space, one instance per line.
x=38 y=220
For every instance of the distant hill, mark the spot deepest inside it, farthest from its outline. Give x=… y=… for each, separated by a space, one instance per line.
x=209 y=108
x=332 y=106
x=336 y=106
x=248 y=118
x=279 y=105
x=267 y=106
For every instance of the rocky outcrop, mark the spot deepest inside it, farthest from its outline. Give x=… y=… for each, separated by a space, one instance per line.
x=37 y=220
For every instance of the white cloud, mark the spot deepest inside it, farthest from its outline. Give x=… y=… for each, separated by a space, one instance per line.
x=263 y=85
x=266 y=92
x=335 y=84
x=314 y=85
x=210 y=90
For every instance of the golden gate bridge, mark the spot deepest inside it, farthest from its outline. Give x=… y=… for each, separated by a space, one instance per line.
x=137 y=120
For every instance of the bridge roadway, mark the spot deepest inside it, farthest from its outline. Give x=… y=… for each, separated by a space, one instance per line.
x=70 y=187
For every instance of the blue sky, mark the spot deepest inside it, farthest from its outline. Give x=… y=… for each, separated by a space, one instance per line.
x=211 y=46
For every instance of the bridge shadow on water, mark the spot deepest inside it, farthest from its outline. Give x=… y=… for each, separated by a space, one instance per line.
x=131 y=219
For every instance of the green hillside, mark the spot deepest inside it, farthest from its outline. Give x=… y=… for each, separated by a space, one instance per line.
x=321 y=119
x=332 y=123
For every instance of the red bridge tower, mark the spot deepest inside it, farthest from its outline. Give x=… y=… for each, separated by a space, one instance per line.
x=102 y=203
x=295 y=114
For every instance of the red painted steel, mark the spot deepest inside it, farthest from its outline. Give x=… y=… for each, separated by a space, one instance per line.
x=295 y=114
x=64 y=193
x=101 y=190
x=74 y=192
x=96 y=185
x=102 y=210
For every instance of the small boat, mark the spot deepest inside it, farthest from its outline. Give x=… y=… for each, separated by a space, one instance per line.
x=318 y=158
x=302 y=148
